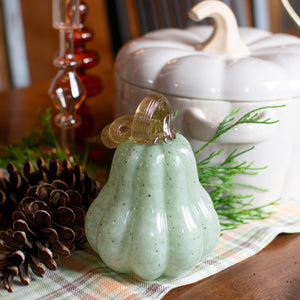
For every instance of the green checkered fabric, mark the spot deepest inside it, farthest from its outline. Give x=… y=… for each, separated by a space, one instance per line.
x=84 y=276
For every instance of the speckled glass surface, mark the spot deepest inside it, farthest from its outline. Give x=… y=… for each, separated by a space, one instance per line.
x=153 y=217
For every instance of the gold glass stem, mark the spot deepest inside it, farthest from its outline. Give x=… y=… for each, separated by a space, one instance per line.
x=153 y=121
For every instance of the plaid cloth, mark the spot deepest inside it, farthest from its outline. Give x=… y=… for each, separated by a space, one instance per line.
x=84 y=276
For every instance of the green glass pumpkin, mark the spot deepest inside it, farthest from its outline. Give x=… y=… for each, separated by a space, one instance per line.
x=153 y=217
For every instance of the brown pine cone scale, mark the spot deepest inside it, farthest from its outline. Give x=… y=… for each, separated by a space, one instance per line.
x=41 y=217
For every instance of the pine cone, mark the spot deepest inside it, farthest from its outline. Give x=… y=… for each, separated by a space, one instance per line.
x=46 y=218
x=10 y=266
x=14 y=188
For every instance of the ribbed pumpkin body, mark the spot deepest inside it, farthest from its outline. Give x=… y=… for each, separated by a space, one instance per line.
x=153 y=217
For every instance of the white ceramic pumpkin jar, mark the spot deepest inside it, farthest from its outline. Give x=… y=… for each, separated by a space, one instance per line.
x=206 y=73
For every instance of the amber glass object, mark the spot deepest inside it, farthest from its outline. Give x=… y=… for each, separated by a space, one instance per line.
x=87 y=58
x=66 y=90
x=153 y=121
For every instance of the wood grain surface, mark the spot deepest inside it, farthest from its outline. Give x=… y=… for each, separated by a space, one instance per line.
x=18 y=109
x=273 y=273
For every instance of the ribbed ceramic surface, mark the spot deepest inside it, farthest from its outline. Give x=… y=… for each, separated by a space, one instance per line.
x=167 y=61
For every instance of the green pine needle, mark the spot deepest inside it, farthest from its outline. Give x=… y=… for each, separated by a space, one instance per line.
x=250 y=117
x=28 y=149
x=232 y=207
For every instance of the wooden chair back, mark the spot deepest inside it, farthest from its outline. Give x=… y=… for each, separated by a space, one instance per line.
x=132 y=18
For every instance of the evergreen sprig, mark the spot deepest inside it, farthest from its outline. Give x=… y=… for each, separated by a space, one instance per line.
x=229 y=122
x=233 y=208
x=29 y=147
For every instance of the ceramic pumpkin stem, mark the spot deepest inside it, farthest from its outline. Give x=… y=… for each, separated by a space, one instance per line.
x=153 y=121
x=291 y=11
x=225 y=38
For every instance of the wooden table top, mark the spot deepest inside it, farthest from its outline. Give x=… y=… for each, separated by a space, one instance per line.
x=273 y=273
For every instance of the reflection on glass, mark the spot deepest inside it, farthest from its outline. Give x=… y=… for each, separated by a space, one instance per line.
x=66 y=90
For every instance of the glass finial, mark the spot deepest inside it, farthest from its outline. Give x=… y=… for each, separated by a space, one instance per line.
x=65 y=14
x=66 y=90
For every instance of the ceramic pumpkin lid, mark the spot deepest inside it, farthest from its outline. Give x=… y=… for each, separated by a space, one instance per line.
x=223 y=62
